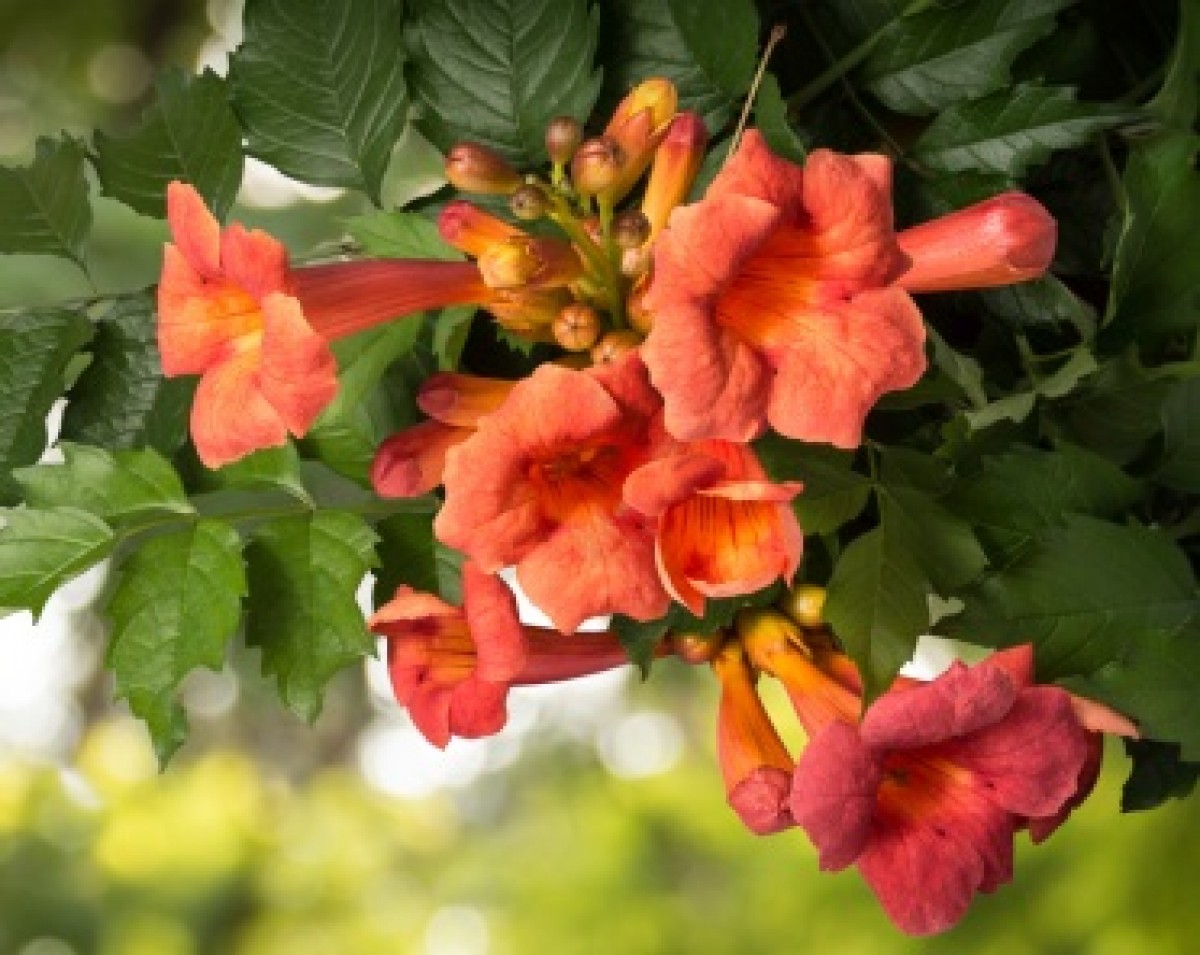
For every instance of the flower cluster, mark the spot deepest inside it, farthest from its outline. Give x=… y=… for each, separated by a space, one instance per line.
x=618 y=477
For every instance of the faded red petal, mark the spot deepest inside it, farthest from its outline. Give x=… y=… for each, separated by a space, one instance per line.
x=411 y=462
x=1040 y=829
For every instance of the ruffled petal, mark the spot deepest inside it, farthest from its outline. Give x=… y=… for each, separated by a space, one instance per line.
x=253 y=260
x=230 y=416
x=657 y=485
x=194 y=230
x=478 y=708
x=491 y=612
x=297 y=373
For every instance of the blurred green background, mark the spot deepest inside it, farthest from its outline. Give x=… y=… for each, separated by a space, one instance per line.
x=595 y=823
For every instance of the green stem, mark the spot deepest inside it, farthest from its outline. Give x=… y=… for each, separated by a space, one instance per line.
x=845 y=64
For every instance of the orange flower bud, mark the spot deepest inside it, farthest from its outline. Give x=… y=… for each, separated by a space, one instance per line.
x=475 y=168
x=596 y=165
x=676 y=164
x=563 y=136
x=640 y=317
x=529 y=312
x=697 y=648
x=638 y=126
x=471 y=230
x=614 y=345
x=804 y=605
x=525 y=261
x=577 y=327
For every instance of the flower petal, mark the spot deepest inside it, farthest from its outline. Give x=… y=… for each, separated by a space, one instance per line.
x=194 y=230
x=297 y=372
x=230 y=416
x=491 y=611
x=253 y=260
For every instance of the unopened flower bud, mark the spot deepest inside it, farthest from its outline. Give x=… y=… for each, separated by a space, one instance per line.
x=630 y=229
x=525 y=261
x=804 y=605
x=563 y=136
x=528 y=202
x=697 y=647
x=596 y=165
x=577 y=327
x=640 y=317
x=614 y=345
x=638 y=126
x=676 y=163
x=471 y=230
x=475 y=168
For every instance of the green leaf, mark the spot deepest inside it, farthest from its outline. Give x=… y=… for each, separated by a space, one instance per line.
x=362 y=414
x=176 y=607
x=1158 y=775
x=44 y=207
x=401 y=235
x=1116 y=411
x=1009 y=131
x=268 y=469
x=122 y=400
x=116 y=486
x=189 y=134
x=707 y=48
x=497 y=72
x=833 y=492
x=417 y=169
x=1178 y=100
x=304 y=573
x=319 y=88
x=942 y=544
x=1017 y=407
x=770 y=116
x=962 y=369
x=1181 y=426
x=1154 y=682
x=1155 y=283
x=42 y=550
x=409 y=554
x=954 y=52
x=1081 y=596
x=1040 y=302
x=35 y=349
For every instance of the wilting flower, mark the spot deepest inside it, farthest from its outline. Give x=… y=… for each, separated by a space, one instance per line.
x=231 y=310
x=925 y=795
x=723 y=528
x=781 y=297
x=539 y=485
x=452 y=668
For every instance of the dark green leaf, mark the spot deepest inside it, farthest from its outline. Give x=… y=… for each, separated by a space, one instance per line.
x=42 y=550
x=1116 y=411
x=409 y=554
x=833 y=492
x=1040 y=302
x=1158 y=775
x=1155 y=283
x=962 y=369
x=1016 y=407
x=188 y=134
x=954 y=52
x=1009 y=131
x=35 y=349
x=1178 y=99
x=1181 y=422
x=770 y=116
x=707 y=48
x=1081 y=596
x=116 y=486
x=304 y=573
x=122 y=399
x=44 y=208
x=1154 y=682
x=944 y=546
x=176 y=607
x=319 y=88
x=497 y=71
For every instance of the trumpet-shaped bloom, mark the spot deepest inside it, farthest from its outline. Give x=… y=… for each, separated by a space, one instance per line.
x=452 y=668
x=773 y=301
x=926 y=793
x=539 y=485
x=723 y=528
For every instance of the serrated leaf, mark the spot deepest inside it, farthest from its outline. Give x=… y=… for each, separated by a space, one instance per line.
x=1158 y=774
x=268 y=469
x=302 y=613
x=42 y=550
x=1116 y=411
x=35 y=349
x=44 y=207
x=1154 y=682
x=1081 y=596
x=401 y=235
x=116 y=486
x=942 y=544
x=178 y=603
x=121 y=400
x=319 y=88
x=1155 y=283
x=1040 y=302
x=1017 y=407
x=707 y=48
x=771 y=118
x=498 y=71
x=1011 y=130
x=833 y=492
x=189 y=133
x=409 y=554
x=1181 y=438
x=933 y=59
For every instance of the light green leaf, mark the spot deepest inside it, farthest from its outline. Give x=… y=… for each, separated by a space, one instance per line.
x=189 y=133
x=1011 y=130
x=497 y=71
x=116 y=486
x=122 y=400
x=953 y=52
x=268 y=469
x=304 y=573
x=42 y=550
x=44 y=207
x=35 y=349
x=176 y=607
x=401 y=235
x=319 y=88
x=962 y=369
x=707 y=48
